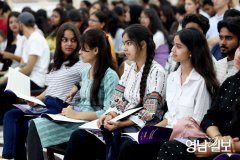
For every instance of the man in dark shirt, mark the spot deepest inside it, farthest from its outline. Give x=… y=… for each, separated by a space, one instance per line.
x=229 y=14
x=3 y=22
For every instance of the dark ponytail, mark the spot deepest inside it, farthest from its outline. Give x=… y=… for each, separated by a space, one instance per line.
x=139 y=33
x=97 y=38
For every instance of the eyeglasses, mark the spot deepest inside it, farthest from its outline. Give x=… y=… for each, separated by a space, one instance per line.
x=93 y=20
x=143 y=17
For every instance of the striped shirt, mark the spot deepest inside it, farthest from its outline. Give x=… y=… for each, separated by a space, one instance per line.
x=61 y=82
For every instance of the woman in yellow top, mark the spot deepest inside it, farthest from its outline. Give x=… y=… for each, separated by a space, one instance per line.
x=99 y=20
x=59 y=16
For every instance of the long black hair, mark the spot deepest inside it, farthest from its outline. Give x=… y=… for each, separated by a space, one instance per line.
x=113 y=22
x=201 y=57
x=10 y=36
x=75 y=15
x=63 y=19
x=169 y=14
x=58 y=55
x=97 y=38
x=155 y=23
x=41 y=21
x=135 y=12
x=102 y=17
x=139 y=33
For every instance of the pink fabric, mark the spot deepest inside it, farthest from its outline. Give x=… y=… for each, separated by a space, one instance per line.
x=161 y=54
x=187 y=128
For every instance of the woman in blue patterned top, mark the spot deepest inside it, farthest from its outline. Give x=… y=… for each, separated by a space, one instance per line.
x=98 y=84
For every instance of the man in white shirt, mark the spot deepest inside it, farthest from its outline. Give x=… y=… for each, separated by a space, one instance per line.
x=229 y=34
x=35 y=60
x=212 y=35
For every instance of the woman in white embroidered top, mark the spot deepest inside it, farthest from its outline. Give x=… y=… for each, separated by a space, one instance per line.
x=190 y=89
x=142 y=85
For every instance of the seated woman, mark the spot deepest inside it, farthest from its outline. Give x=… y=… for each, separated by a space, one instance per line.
x=221 y=122
x=98 y=20
x=13 y=30
x=63 y=72
x=190 y=90
x=79 y=19
x=98 y=84
x=59 y=16
x=142 y=85
x=150 y=19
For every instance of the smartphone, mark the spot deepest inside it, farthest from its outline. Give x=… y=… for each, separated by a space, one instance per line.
x=201 y=140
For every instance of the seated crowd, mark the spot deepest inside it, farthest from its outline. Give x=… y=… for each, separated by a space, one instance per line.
x=174 y=59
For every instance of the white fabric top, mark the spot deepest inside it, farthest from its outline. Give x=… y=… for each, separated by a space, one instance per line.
x=21 y=40
x=225 y=69
x=159 y=39
x=130 y=81
x=3 y=46
x=37 y=45
x=190 y=99
x=237 y=7
x=60 y=82
x=204 y=13
x=213 y=31
x=117 y=40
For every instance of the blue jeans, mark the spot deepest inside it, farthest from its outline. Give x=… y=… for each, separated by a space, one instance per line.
x=15 y=128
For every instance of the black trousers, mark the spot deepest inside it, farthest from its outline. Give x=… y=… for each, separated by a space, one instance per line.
x=34 y=149
x=131 y=150
x=7 y=99
x=84 y=146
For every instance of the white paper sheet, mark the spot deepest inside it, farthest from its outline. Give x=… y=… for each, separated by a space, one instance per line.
x=125 y=114
x=19 y=84
x=64 y=119
x=133 y=136
x=90 y=126
x=93 y=124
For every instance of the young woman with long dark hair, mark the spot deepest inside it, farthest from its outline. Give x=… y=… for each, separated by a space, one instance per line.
x=98 y=84
x=12 y=32
x=190 y=90
x=115 y=29
x=59 y=16
x=194 y=7
x=99 y=20
x=150 y=19
x=221 y=121
x=95 y=7
x=168 y=19
x=63 y=72
x=77 y=18
x=137 y=88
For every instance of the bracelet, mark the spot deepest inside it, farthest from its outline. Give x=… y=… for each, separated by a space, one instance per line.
x=217 y=135
x=111 y=115
x=77 y=85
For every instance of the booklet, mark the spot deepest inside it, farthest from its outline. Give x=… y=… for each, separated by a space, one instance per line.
x=19 y=85
x=31 y=110
x=227 y=156
x=60 y=118
x=93 y=124
x=150 y=134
